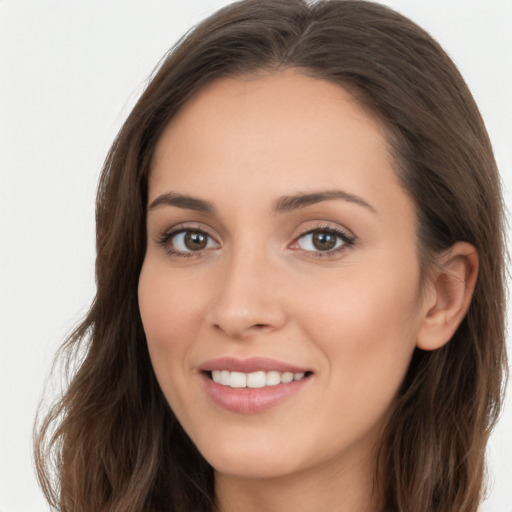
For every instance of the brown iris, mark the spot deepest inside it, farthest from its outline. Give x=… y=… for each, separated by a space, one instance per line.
x=195 y=240
x=324 y=241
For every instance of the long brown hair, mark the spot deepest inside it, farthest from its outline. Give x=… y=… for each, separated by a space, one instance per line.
x=111 y=442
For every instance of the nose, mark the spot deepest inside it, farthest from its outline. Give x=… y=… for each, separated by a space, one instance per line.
x=248 y=299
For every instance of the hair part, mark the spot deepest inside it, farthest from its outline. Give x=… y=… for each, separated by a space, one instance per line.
x=112 y=439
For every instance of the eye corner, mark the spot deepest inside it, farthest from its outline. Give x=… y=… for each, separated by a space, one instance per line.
x=323 y=241
x=184 y=241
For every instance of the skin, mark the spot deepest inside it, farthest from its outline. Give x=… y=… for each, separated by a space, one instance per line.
x=352 y=316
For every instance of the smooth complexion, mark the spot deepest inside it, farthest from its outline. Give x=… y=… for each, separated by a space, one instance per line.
x=278 y=230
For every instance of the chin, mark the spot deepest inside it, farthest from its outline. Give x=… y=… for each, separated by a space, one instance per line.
x=250 y=460
x=256 y=468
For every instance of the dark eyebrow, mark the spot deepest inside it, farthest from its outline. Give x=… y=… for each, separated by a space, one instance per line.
x=282 y=205
x=182 y=201
x=301 y=200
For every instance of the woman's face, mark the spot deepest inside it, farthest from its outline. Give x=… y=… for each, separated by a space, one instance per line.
x=280 y=246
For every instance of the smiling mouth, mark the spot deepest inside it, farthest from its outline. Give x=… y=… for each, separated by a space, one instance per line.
x=254 y=380
x=254 y=385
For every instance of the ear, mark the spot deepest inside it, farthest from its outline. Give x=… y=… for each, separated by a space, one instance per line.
x=448 y=295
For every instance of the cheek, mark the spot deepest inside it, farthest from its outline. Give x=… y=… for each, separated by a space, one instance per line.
x=366 y=326
x=169 y=312
x=366 y=307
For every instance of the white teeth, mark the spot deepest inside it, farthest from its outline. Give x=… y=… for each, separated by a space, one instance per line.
x=273 y=378
x=238 y=380
x=287 y=377
x=257 y=379
x=224 y=375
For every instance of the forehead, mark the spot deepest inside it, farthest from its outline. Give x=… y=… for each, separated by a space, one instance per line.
x=285 y=115
x=271 y=135
x=242 y=144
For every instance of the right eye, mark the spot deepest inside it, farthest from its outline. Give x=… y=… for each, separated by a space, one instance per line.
x=187 y=242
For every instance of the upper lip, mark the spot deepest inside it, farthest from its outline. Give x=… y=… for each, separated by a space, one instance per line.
x=250 y=365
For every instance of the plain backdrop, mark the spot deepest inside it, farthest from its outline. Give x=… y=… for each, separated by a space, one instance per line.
x=69 y=73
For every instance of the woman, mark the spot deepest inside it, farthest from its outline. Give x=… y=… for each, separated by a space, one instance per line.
x=300 y=278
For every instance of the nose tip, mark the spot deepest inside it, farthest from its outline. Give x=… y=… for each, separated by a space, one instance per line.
x=247 y=303
x=239 y=322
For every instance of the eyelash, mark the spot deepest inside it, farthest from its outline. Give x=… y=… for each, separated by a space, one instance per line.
x=166 y=237
x=347 y=241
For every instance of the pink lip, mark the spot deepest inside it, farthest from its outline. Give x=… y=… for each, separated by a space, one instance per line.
x=253 y=364
x=250 y=400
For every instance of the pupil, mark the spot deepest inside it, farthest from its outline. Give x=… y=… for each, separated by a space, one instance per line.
x=195 y=241
x=324 y=241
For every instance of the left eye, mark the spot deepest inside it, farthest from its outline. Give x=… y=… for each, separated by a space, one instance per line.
x=188 y=241
x=322 y=240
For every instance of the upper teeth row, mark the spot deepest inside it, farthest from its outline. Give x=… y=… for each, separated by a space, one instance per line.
x=253 y=380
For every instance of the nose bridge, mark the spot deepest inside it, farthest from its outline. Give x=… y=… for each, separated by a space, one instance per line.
x=248 y=298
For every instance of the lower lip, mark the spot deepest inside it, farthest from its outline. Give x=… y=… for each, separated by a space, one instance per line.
x=250 y=400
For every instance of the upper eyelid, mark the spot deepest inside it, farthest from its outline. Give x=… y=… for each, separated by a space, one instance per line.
x=348 y=238
x=186 y=226
x=326 y=226
x=165 y=240
x=313 y=225
x=338 y=232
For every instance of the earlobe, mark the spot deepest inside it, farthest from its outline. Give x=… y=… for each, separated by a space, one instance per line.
x=448 y=296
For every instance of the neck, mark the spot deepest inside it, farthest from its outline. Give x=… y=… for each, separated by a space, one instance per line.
x=330 y=488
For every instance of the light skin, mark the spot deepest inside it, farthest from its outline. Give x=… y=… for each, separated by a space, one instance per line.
x=277 y=228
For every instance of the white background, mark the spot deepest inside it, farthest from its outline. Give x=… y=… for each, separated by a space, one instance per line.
x=69 y=74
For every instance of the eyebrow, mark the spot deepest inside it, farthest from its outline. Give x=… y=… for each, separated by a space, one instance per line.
x=282 y=205
x=182 y=201
x=302 y=200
